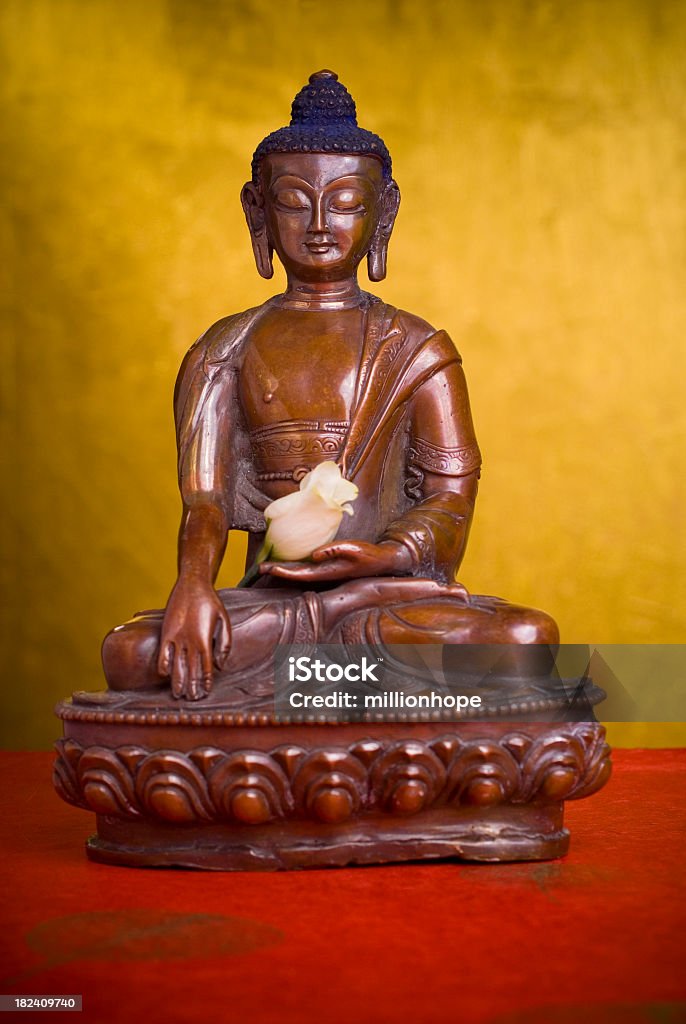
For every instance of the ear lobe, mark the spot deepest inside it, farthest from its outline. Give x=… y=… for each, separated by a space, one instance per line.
x=253 y=208
x=377 y=257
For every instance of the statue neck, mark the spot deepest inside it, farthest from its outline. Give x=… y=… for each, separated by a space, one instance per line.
x=321 y=295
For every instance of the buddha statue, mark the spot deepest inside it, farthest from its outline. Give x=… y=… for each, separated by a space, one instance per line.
x=324 y=372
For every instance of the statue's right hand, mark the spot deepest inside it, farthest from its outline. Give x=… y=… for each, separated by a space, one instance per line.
x=196 y=634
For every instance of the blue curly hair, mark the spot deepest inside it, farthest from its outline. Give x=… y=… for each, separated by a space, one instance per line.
x=323 y=120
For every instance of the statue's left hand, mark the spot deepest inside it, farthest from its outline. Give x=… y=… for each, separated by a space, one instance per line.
x=346 y=560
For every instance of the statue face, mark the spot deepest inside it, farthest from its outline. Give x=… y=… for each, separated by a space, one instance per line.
x=321 y=211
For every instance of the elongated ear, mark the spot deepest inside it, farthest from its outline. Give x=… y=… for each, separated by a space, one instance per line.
x=377 y=257
x=253 y=208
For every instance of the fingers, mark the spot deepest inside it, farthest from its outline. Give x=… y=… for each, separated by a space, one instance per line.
x=188 y=675
x=288 y=572
x=196 y=683
x=267 y=568
x=285 y=570
x=205 y=671
x=222 y=645
x=164 y=662
x=179 y=673
x=191 y=647
x=340 y=550
x=330 y=570
x=458 y=590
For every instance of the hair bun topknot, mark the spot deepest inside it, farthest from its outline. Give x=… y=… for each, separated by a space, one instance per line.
x=323 y=120
x=323 y=101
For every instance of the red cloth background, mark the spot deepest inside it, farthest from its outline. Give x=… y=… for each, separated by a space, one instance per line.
x=595 y=937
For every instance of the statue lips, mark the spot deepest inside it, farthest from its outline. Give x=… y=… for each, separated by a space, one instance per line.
x=320 y=247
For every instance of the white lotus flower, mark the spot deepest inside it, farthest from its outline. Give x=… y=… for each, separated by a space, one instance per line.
x=299 y=523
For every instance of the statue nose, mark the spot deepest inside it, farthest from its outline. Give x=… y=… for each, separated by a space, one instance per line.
x=318 y=223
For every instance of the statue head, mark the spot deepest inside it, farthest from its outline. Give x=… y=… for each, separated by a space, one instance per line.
x=322 y=194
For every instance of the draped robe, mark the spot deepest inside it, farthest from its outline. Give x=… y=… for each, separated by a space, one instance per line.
x=401 y=354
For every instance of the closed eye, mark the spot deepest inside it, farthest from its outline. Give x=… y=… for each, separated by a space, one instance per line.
x=291 y=199
x=347 y=201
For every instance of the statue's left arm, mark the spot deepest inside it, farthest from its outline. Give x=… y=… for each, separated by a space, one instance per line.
x=443 y=468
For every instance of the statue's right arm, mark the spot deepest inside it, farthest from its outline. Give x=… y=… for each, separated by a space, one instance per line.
x=196 y=632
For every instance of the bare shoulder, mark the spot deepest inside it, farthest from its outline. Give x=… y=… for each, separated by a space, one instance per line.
x=213 y=342
x=213 y=348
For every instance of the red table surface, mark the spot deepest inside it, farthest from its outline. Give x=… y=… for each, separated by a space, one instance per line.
x=595 y=937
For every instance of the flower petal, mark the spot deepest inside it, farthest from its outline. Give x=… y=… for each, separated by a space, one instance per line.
x=295 y=537
x=323 y=478
x=290 y=503
x=328 y=483
x=304 y=520
x=345 y=490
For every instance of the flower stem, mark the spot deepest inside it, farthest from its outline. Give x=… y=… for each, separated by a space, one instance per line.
x=254 y=570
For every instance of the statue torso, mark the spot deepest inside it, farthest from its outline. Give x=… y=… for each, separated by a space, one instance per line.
x=296 y=388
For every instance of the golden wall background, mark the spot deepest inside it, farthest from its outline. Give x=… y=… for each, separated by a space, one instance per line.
x=539 y=146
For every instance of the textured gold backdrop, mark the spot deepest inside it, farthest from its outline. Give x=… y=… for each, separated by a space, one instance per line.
x=539 y=147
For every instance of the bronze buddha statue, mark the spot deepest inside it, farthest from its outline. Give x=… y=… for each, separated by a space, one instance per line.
x=322 y=372
x=320 y=402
